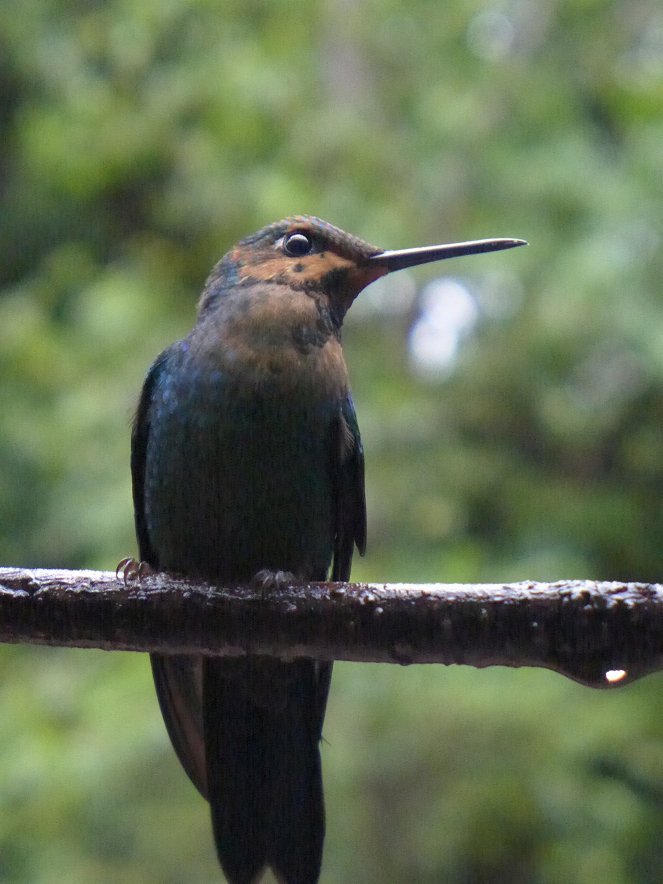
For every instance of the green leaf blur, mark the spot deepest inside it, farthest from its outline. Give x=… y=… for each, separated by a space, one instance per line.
x=138 y=142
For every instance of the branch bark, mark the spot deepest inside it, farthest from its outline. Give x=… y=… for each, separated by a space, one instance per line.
x=601 y=634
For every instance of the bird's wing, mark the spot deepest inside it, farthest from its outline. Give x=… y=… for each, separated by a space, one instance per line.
x=349 y=495
x=140 y=433
x=178 y=679
x=349 y=523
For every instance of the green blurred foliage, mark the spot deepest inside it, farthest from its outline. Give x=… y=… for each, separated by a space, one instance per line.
x=138 y=141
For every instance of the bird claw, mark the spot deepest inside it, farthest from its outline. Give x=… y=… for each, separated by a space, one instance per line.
x=273 y=581
x=129 y=569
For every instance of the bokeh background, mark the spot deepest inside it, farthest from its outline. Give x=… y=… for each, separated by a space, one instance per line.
x=511 y=404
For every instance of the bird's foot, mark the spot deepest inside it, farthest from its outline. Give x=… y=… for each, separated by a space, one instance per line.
x=129 y=569
x=267 y=581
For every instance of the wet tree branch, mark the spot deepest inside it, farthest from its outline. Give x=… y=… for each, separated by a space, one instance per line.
x=601 y=634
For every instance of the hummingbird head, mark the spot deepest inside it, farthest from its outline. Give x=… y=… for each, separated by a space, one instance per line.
x=303 y=254
x=306 y=254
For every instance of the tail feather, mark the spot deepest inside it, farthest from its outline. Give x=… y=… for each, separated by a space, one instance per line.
x=262 y=721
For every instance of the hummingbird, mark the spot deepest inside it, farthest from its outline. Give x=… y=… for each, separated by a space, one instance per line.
x=248 y=467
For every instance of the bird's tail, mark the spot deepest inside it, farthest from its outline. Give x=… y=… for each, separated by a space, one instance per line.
x=262 y=722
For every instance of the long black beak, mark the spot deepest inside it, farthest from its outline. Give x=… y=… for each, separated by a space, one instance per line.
x=397 y=260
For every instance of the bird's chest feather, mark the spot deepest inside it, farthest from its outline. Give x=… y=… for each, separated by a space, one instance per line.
x=239 y=457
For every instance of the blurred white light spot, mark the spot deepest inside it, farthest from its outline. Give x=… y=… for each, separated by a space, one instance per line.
x=388 y=296
x=614 y=675
x=641 y=67
x=491 y=35
x=500 y=294
x=448 y=315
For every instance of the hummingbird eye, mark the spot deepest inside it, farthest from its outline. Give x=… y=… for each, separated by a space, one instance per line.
x=297 y=244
